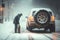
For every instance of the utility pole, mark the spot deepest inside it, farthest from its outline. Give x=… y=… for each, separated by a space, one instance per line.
x=1 y=11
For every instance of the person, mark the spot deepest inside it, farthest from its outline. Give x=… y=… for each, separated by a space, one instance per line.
x=16 y=22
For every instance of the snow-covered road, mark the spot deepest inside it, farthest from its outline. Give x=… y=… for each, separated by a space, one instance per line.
x=7 y=32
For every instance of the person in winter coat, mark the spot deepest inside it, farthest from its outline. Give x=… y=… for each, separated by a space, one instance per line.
x=16 y=22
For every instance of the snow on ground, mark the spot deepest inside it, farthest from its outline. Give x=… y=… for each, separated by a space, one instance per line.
x=23 y=36
x=6 y=27
x=7 y=32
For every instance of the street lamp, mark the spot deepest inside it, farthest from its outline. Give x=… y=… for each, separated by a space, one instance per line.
x=1 y=8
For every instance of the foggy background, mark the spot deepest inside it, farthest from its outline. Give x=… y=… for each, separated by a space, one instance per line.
x=13 y=7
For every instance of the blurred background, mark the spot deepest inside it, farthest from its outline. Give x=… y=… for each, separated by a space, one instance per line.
x=10 y=8
x=13 y=7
